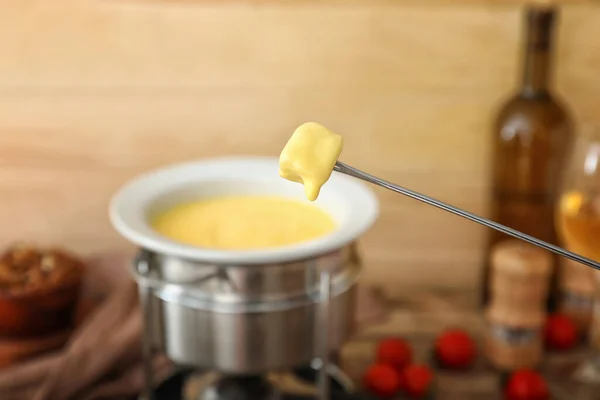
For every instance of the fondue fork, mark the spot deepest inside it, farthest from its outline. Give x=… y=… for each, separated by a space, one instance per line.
x=351 y=171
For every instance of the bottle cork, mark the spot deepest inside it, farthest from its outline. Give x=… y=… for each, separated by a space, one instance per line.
x=577 y=287
x=516 y=314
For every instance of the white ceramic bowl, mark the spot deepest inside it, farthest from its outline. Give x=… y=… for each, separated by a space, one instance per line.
x=351 y=203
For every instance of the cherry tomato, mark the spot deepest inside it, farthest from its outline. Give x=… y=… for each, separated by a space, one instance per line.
x=561 y=332
x=417 y=380
x=382 y=380
x=526 y=385
x=455 y=349
x=394 y=352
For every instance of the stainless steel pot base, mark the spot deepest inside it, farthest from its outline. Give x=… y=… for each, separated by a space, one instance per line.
x=273 y=317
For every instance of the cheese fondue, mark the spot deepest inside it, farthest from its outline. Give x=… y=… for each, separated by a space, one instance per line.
x=309 y=157
x=243 y=223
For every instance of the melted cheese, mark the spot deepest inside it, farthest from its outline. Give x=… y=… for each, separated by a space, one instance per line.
x=309 y=157
x=242 y=223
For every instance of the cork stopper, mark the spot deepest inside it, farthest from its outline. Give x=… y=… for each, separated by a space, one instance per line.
x=539 y=22
x=541 y=9
x=519 y=284
x=520 y=258
x=541 y=3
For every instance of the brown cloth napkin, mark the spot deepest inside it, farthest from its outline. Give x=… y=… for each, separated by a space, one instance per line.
x=102 y=359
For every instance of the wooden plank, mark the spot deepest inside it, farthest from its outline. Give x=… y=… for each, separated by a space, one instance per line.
x=207 y=44
x=344 y=3
x=61 y=160
x=233 y=45
x=93 y=93
x=62 y=157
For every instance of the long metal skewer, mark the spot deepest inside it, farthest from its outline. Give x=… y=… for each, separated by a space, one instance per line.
x=348 y=170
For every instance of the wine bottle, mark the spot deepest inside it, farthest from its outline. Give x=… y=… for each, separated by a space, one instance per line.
x=532 y=136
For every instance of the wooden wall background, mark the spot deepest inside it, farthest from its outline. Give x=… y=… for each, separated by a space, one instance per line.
x=93 y=92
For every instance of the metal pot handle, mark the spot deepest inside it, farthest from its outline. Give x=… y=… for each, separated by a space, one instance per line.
x=142 y=272
x=143 y=267
x=324 y=316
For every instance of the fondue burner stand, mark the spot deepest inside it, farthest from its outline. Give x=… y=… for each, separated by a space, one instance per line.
x=298 y=384
x=168 y=313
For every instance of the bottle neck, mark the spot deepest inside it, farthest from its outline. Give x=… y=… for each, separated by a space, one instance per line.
x=537 y=72
x=538 y=52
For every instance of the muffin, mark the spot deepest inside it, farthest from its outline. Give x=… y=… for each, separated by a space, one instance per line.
x=39 y=290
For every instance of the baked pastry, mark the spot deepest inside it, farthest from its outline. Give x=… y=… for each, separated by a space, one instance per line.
x=25 y=268
x=39 y=291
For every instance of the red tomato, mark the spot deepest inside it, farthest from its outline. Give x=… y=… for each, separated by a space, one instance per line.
x=526 y=385
x=455 y=349
x=395 y=352
x=382 y=380
x=561 y=332
x=417 y=380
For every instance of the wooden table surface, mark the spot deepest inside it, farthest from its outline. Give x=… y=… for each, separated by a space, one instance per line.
x=421 y=317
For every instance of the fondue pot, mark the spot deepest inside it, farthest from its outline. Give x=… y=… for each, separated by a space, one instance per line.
x=243 y=312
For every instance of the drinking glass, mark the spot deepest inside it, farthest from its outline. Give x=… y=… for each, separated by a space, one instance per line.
x=577 y=219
